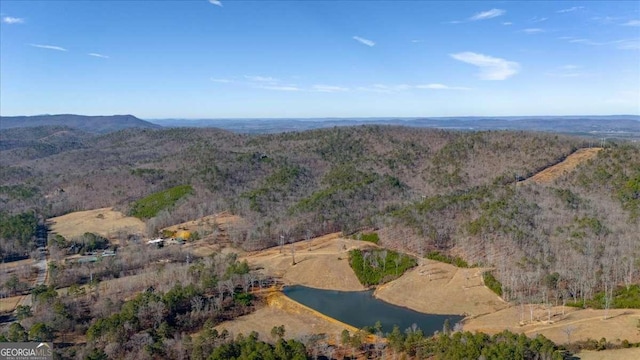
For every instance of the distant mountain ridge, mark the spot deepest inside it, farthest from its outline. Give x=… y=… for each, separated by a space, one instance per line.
x=91 y=124
x=613 y=126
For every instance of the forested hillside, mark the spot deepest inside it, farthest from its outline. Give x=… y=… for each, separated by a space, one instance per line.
x=422 y=189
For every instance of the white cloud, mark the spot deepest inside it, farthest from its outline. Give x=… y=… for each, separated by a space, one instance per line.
x=571 y=9
x=487 y=14
x=585 y=42
x=98 y=55
x=280 y=87
x=415 y=41
x=629 y=44
x=385 y=89
x=222 y=81
x=329 y=88
x=392 y=88
x=491 y=68
x=441 y=87
x=570 y=67
x=568 y=71
x=12 y=20
x=215 y=2
x=258 y=78
x=536 y=19
x=507 y=23
x=269 y=83
x=363 y=41
x=632 y=23
x=533 y=31
x=607 y=19
x=566 y=74
x=624 y=44
x=50 y=47
x=389 y=89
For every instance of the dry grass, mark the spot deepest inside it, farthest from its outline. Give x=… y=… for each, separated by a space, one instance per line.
x=584 y=324
x=618 y=354
x=105 y=222
x=298 y=320
x=14 y=265
x=206 y=224
x=438 y=288
x=551 y=173
x=10 y=303
x=320 y=263
x=213 y=230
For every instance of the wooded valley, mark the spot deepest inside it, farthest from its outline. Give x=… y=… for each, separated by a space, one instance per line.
x=453 y=195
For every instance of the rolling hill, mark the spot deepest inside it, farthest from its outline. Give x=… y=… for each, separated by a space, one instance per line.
x=422 y=190
x=91 y=124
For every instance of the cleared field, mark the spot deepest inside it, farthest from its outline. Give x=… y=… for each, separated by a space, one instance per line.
x=213 y=230
x=617 y=354
x=23 y=269
x=569 y=164
x=280 y=310
x=580 y=324
x=206 y=223
x=14 y=265
x=320 y=263
x=438 y=288
x=10 y=303
x=105 y=222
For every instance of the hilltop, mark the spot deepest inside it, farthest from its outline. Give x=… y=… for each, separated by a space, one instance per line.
x=90 y=124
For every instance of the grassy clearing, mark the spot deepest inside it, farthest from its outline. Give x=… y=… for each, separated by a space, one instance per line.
x=492 y=283
x=622 y=298
x=373 y=267
x=151 y=205
x=453 y=260
x=371 y=237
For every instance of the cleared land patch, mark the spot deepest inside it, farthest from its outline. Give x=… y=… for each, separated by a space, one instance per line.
x=551 y=173
x=617 y=354
x=10 y=303
x=212 y=231
x=321 y=263
x=581 y=324
x=105 y=222
x=280 y=310
x=206 y=223
x=437 y=288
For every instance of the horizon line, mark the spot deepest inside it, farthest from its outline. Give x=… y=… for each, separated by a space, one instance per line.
x=333 y=117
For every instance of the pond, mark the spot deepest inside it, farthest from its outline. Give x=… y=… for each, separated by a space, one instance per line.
x=360 y=309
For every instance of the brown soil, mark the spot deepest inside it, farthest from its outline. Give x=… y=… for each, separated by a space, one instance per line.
x=551 y=173
x=438 y=288
x=320 y=263
x=583 y=324
x=105 y=222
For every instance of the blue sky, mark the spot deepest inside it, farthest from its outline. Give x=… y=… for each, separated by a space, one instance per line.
x=239 y=59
